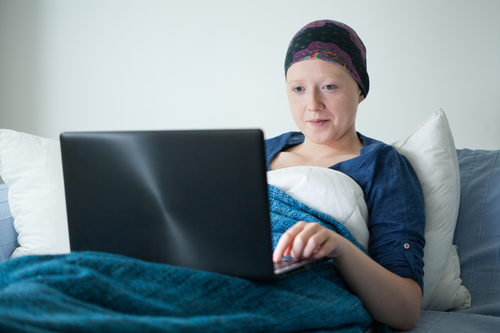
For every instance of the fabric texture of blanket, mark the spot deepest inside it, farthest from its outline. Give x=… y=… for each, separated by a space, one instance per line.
x=98 y=292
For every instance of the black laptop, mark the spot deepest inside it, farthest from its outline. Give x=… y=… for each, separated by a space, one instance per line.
x=194 y=198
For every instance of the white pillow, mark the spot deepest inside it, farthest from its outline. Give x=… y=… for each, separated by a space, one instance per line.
x=31 y=167
x=431 y=151
x=328 y=191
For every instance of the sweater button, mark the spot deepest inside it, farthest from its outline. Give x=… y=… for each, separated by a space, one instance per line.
x=406 y=246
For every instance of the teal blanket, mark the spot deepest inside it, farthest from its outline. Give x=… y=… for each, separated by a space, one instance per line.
x=98 y=292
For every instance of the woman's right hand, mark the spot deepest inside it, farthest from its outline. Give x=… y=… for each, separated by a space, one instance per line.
x=308 y=240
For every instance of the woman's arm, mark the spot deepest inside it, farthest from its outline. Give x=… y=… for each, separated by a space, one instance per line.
x=389 y=298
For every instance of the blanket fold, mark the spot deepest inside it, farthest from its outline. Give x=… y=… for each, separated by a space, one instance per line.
x=99 y=292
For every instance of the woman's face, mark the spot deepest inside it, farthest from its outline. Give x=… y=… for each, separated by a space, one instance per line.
x=323 y=99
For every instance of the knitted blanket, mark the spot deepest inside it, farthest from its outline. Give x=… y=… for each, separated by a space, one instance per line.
x=99 y=292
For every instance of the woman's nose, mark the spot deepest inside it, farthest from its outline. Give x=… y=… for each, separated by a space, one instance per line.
x=314 y=102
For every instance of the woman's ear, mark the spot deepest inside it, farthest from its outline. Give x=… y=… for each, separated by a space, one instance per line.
x=361 y=98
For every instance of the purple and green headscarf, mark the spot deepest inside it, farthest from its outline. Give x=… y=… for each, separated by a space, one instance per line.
x=331 y=41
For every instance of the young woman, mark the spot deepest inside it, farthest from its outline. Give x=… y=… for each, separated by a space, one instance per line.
x=326 y=79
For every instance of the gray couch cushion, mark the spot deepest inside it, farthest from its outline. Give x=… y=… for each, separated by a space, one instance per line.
x=8 y=235
x=477 y=234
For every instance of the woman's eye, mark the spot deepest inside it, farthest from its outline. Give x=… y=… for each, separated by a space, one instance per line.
x=329 y=86
x=298 y=89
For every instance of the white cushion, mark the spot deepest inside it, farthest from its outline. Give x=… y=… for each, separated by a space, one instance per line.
x=31 y=167
x=431 y=151
x=328 y=191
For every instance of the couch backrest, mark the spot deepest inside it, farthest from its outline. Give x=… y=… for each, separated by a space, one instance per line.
x=477 y=234
x=8 y=235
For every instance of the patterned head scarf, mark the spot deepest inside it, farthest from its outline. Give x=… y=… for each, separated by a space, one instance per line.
x=331 y=41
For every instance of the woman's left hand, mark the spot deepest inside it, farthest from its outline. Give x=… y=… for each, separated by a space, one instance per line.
x=308 y=240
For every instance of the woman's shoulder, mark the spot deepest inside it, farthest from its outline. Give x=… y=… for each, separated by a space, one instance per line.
x=376 y=151
x=375 y=146
x=377 y=163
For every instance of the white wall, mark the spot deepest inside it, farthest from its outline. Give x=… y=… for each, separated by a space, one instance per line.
x=148 y=64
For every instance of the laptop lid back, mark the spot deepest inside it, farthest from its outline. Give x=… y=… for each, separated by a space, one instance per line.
x=196 y=199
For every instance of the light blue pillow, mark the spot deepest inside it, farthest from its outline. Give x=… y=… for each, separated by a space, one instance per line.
x=8 y=235
x=477 y=234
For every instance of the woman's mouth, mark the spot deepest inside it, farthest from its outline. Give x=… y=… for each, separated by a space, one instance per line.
x=317 y=122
